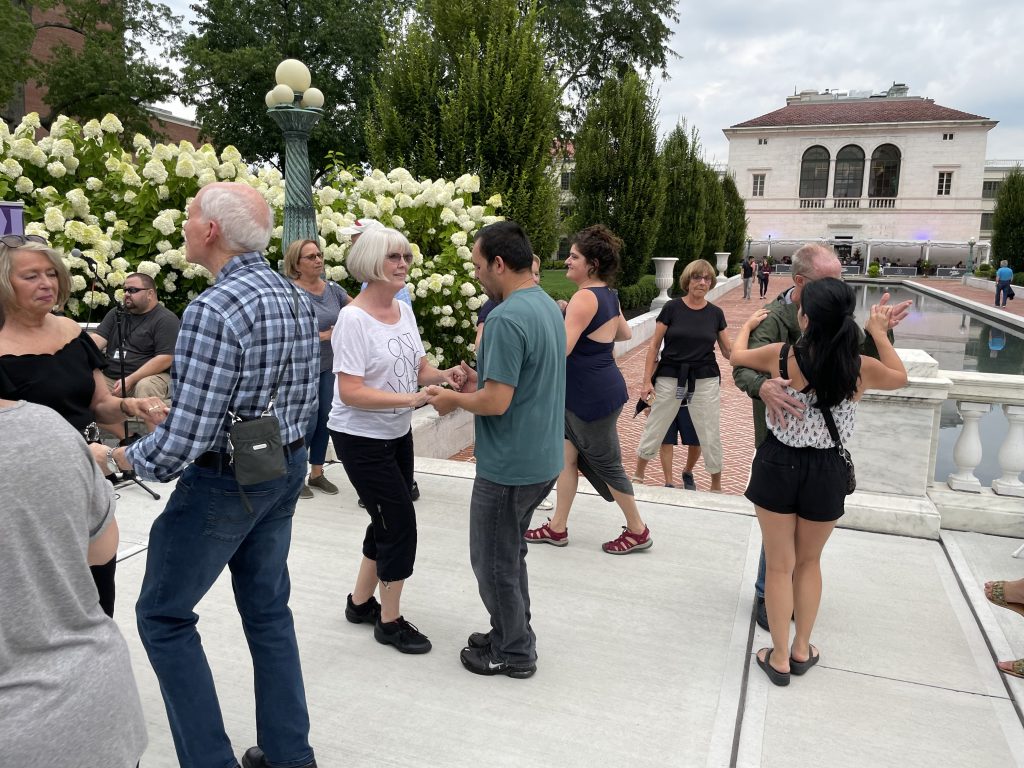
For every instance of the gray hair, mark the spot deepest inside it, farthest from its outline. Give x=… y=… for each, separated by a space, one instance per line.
x=7 y=269
x=241 y=213
x=365 y=261
x=807 y=259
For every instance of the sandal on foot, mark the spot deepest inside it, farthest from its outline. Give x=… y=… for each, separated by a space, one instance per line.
x=547 y=536
x=799 y=667
x=1016 y=668
x=778 y=678
x=629 y=542
x=637 y=480
x=997 y=596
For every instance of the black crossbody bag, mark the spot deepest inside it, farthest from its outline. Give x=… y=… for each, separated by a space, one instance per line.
x=255 y=445
x=830 y=422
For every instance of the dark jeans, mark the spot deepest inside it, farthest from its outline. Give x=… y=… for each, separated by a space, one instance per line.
x=204 y=528
x=759 y=584
x=498 y=518
x=317 y=433
x=381 y=473
x=1002 y=291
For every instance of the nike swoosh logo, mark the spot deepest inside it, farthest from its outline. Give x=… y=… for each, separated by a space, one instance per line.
x=492 y=665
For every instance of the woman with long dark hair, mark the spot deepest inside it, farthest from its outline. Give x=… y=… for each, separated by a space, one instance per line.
x=798 y=480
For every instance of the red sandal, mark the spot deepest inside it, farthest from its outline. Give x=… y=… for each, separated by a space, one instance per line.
x=545 y=535
x=629 y=542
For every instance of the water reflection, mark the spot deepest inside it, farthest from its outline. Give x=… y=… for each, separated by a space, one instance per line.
x=959 y=341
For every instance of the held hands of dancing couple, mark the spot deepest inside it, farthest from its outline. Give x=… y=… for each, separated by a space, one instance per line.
x=442 y=399
x=780 y=403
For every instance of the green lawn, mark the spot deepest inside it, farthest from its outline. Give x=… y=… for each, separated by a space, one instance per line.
x=554 y=280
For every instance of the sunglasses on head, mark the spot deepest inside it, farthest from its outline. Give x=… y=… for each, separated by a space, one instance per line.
x=16 y=241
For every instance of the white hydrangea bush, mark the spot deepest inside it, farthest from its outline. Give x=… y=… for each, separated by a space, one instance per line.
x=123 y=209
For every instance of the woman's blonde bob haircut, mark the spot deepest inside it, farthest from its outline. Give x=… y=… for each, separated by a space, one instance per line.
x=366 y=258
x=291 y=257
x=697 y=268
x=7 y=269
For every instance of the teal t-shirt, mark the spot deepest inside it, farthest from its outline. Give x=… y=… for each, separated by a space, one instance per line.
x=1004 y=274
x=524 y=347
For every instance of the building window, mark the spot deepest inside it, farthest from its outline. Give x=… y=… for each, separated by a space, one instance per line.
x=947 y=137
x=566 y=180
x=849 y=180
x=986 y=222
x=989 y=189
x=945 y=183
x=758 y=190
x=814 y=173
x=763 y=140
x=884 y=178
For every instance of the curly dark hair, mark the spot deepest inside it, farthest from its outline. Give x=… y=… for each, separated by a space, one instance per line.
x=600 y=248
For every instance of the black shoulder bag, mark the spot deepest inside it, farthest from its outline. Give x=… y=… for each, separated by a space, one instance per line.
x=257 y=451
x=830 y=422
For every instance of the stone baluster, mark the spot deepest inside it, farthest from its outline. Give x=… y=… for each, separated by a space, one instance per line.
x=967 y=451
x=1011 y=454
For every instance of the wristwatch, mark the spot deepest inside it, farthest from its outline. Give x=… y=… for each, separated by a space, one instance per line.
x=111 y=464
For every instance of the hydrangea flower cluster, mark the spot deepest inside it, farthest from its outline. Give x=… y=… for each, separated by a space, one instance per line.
x=124 y=211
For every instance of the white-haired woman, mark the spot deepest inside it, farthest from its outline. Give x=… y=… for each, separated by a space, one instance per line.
x=51 y=361
x=381 y=364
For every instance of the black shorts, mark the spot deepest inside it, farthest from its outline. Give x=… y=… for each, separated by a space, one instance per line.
x=683 y=428
x=807 y=482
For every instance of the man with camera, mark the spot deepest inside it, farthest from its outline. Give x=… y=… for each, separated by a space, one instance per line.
x=139 y=336
x=247 y=360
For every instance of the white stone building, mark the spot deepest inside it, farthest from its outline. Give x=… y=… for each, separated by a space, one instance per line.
x=889 y=175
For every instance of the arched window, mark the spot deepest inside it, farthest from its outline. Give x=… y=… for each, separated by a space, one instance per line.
x=884 y=180
x=814 y=172
x=849 y=180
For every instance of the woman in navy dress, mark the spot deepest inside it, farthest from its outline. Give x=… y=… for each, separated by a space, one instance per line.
x=594 y=393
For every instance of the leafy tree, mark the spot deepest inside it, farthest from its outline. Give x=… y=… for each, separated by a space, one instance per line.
x=231 y=57
x=682 y=231
x=589 y=40
x=736 y=220
x=1008 y=221
x=101 y=65
x=618 y=180
x=715 y=215
x=467 y=92
x=16 y=34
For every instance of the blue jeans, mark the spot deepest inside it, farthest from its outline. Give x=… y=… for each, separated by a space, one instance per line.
x=759 y=584
x=204 y=528
x=316 y=433
x=499 y=516
x=1002 y=291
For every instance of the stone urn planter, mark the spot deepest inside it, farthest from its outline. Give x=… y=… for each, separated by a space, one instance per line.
x=663 y=279
x=722 y=260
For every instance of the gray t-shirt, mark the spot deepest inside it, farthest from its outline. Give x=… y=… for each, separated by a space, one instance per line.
x=67 y=693
x=326 y=306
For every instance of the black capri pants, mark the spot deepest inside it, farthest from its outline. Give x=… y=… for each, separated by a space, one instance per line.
x=381 y=471
x=807 y=482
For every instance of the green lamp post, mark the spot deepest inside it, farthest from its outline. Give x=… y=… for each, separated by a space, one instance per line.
x=296 y=108
x=970 y=260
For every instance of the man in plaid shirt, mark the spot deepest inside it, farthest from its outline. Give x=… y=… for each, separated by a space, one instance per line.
x=236 y=339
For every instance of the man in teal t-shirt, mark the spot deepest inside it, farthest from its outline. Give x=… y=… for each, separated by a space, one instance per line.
x=1004 y=277
x=517 y=396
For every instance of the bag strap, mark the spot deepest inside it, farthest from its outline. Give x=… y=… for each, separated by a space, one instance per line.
x=784 y=360
x=830 y=422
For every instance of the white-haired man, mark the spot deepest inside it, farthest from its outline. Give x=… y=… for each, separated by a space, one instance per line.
x=243 y=338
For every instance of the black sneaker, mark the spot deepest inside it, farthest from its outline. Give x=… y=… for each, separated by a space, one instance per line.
x=762 y=614
x=254 y=758
x=401 y=634
x=480 y=662
x=688 y=482
x=368 y=612
x=480 y=640
x=414 y=491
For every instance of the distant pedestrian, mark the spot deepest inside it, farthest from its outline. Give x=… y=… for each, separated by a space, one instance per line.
x=1004 y=277
x=763 y=273
x=748 y=276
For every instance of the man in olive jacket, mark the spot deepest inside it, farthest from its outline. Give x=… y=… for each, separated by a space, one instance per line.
x=810 y=262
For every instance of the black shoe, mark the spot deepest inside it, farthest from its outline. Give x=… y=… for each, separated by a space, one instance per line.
x=479 y=662
x=368 y=612
x=414 y=491
x=688 y=482
x=479 y=640
x=254 y=758
x=762 y=614
x=127 y=475
x=401 y=634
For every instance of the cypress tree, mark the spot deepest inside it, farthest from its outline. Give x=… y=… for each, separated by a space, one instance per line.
x=1008 y=221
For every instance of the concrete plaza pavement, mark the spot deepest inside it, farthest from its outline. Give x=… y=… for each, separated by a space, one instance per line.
x=645 y=660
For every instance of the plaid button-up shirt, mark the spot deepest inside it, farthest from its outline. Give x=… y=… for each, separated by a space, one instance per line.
x=234 y=339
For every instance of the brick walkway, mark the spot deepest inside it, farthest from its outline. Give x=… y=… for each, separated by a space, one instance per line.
x=736 y=416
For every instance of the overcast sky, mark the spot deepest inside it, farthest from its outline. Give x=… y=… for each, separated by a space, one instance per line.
x=740 y=58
